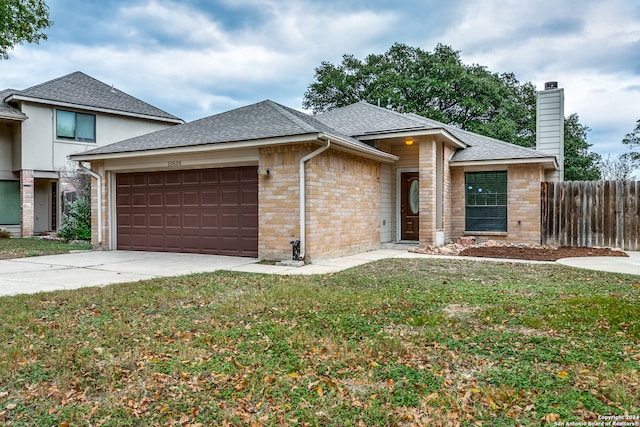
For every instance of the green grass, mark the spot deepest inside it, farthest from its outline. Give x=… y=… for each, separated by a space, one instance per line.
x=396 y=342
x=28 y=247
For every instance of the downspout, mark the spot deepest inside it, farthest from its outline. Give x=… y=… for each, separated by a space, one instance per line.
x=303 y=197
x=99 y=179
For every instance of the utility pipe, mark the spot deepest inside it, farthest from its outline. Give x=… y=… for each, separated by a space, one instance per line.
x=99 y=179
x=303 y=199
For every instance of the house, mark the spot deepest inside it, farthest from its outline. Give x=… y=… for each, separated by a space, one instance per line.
x=44 y=124
x=251 y=181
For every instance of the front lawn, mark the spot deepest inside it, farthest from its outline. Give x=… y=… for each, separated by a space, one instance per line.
x=396 y=342
x=33 y=246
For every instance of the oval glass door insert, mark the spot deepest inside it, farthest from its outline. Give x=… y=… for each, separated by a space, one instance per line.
x=414 y=197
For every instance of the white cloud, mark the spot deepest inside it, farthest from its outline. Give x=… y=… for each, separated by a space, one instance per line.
x=194 y=62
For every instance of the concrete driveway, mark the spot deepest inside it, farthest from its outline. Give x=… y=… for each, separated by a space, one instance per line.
x=97 y=268
x=100 y=268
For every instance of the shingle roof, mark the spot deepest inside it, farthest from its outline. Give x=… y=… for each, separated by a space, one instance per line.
x=262 y=120
x=83 y=90
x=362 y=119
x=480 y=147
x=7 y=110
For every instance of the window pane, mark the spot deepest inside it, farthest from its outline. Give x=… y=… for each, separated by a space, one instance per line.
x=486 y=201
x=65 y=124
x=10 y=206
x=85 y=127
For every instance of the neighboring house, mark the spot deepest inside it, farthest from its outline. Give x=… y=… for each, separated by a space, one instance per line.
x=41 y=126
x=250 y=181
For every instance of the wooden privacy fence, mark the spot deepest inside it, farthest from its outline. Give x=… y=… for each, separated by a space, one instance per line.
x=591 y=213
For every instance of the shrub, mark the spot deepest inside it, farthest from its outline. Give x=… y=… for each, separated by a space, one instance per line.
x=5 y=234
x=76 y=224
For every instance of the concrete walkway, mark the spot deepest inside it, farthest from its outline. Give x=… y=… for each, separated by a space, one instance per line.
x=610 y=264
x=99 y=268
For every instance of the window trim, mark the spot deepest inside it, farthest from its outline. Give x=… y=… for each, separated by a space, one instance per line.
x=75 y=138
x=502 y=228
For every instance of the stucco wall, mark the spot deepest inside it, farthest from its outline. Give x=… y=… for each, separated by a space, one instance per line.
x=343 y=203
x=42 y=151
x=523 y=211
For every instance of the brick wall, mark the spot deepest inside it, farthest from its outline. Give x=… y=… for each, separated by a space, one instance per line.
x=447 y=224
x=98 y=167
x=278 y=200
x=343 y=203
x=523 y=211
x=27 y=202
x=428 y=191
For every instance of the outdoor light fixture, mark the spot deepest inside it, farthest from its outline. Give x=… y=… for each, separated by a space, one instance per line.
x=408 y=141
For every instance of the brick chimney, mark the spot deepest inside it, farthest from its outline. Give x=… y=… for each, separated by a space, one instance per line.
x=550 y=126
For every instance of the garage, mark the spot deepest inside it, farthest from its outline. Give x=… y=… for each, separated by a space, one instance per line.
x=207 y=211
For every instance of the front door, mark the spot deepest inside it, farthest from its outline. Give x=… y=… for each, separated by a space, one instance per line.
x=410 y=206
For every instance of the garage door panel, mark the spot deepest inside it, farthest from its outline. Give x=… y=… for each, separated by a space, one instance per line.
x=210 y=176
x=173 y=178
x=173 y=220
x=173 y=198
x=190 y=177
x=155 y=199
x=249 y=222
x=139 y=180
x=190 y=198
x=209 y=197
x=230 y=175
x=139 y=199
x=140 y=220
x=123 y=199
x=155 y=179
x=156 y=220
x=249 y=197
x=156 y=242
x=190 y=220
x=230 y=197
x=231 y=221
x=212 y=211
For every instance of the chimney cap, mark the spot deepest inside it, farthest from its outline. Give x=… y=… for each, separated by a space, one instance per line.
x=550 y=85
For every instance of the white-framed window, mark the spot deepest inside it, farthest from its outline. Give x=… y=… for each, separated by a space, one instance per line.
x=75 y=126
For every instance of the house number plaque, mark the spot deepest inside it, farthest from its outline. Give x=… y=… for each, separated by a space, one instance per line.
x=174 y=163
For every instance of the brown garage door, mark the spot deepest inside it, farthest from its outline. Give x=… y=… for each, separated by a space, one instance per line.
x=207 y=211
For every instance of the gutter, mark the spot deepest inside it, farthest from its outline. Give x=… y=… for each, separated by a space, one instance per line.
x=303 y=198
x=99 y=179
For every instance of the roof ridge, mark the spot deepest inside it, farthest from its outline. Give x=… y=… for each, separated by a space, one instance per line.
x=387 y=110
x=289 y=115
x=52 y=81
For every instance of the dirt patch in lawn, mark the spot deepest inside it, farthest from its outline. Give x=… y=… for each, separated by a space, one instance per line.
x=492 y=249
x=537 y=253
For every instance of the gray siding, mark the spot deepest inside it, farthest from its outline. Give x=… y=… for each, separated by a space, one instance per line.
x=550 y=128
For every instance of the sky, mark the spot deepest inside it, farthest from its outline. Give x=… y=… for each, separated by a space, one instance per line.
x=196 y=58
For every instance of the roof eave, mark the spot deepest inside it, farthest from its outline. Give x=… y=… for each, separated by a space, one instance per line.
x=256 y=143
x=96 y=109
x=547 y=162
x=340 y=143
x=14 y=117
x=366 y=151
x=449 y=137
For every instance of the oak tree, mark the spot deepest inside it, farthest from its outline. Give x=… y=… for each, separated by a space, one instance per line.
x=22 y=21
